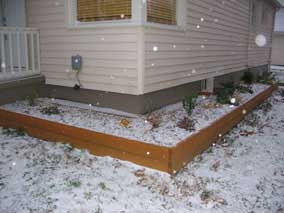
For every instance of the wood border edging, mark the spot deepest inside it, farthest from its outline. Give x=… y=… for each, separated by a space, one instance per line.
x=167 y=159
x=187 y=149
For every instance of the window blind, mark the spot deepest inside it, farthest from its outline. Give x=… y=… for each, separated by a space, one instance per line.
x=103 y=10
x=161 y=11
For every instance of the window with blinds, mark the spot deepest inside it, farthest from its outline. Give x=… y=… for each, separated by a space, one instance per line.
x=103 y=10
x=161 y=11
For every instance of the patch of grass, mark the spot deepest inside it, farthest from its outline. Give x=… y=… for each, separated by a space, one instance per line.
x=205 y=195
x=68 y=147
x=189 y=103
x=102 y=185
x=14 y=132
x=88 y=195
x=50 y=110
x=75 y=183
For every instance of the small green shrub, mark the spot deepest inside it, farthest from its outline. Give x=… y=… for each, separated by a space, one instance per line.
x=50 y=110
x=223 y=98
x=244 y=89
x=248 y=77
x=225 y=93
x=14 y=132
x=189 y=103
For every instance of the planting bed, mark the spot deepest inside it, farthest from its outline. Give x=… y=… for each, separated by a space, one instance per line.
x=157 y=141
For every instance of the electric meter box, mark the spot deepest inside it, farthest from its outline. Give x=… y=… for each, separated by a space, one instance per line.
x=76 y=61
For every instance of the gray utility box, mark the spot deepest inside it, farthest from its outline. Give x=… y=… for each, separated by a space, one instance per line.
x=76 y=61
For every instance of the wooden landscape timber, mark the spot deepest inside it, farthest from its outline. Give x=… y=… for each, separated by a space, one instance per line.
x=166 y=159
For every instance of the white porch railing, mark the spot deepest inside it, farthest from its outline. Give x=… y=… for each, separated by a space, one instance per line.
x=19 y=52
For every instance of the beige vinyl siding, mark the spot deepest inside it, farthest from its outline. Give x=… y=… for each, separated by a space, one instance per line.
x=278 y=49
x=218 y=47
x=121 y=58
x=109 y=54
x=261 y=55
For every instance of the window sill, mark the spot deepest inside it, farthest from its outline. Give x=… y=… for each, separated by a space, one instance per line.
x=101 y=24
x=123 y=23
x=164 y=26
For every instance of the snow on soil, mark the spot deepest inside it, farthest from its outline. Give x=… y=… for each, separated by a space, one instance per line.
x=278 y=72
x=167 y=134
x=243 y=172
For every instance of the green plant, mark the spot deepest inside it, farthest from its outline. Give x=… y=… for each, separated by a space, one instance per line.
x=102 y=185
x=75 y=183
x=225 y=93
x=248 y=77
x=244 y=89
x=50 y=110
x=14 y=132
x=189 y=103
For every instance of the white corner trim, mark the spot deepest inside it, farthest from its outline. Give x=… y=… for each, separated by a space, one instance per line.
x=141 y=59
x=182 y=13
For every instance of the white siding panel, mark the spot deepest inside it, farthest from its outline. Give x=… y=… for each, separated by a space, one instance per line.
x=257 y=55
x=109 y=54
x=217 y=40
x=214 y=46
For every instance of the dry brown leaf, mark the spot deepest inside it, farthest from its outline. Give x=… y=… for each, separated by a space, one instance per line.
x=125 y=123
x=139 y=173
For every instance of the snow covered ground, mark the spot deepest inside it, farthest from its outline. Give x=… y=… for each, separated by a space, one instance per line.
x=278 y=71
x=243 y=172
x=167 y=132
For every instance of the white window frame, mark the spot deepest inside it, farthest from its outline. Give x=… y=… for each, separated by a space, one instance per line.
x=138 y=17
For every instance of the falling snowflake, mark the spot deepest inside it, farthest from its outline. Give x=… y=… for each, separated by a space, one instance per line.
x=155 y=48
x=260 y=40
x=233 y=100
